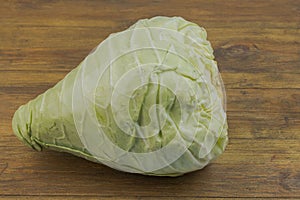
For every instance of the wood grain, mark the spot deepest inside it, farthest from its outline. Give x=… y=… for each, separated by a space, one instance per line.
x=257 y=47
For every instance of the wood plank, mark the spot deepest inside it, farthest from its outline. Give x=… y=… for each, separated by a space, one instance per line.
x=57 y=197
x=240 y=14
x=238 y=100
x=39 y=78
x=263 y=169
x=41 y=59
x=255 y=53
x=263 y=100
x=263 y=126
x=53 y=197
x=231 y=80
x=242 y=125
x=40 y=37
x=260 y=80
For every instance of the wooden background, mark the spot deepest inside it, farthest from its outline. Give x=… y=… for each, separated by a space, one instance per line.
x=257 y=46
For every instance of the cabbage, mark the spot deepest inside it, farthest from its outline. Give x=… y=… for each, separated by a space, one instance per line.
x=146 y=100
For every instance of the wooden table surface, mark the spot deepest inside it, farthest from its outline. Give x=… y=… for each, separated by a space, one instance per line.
x=257 y=47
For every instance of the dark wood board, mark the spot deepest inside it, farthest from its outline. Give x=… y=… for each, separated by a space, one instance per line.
x=257 y=47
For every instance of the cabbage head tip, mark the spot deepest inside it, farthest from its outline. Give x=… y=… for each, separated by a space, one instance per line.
x=147 y=100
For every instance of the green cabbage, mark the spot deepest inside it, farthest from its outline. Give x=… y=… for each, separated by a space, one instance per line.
x=147 y=100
